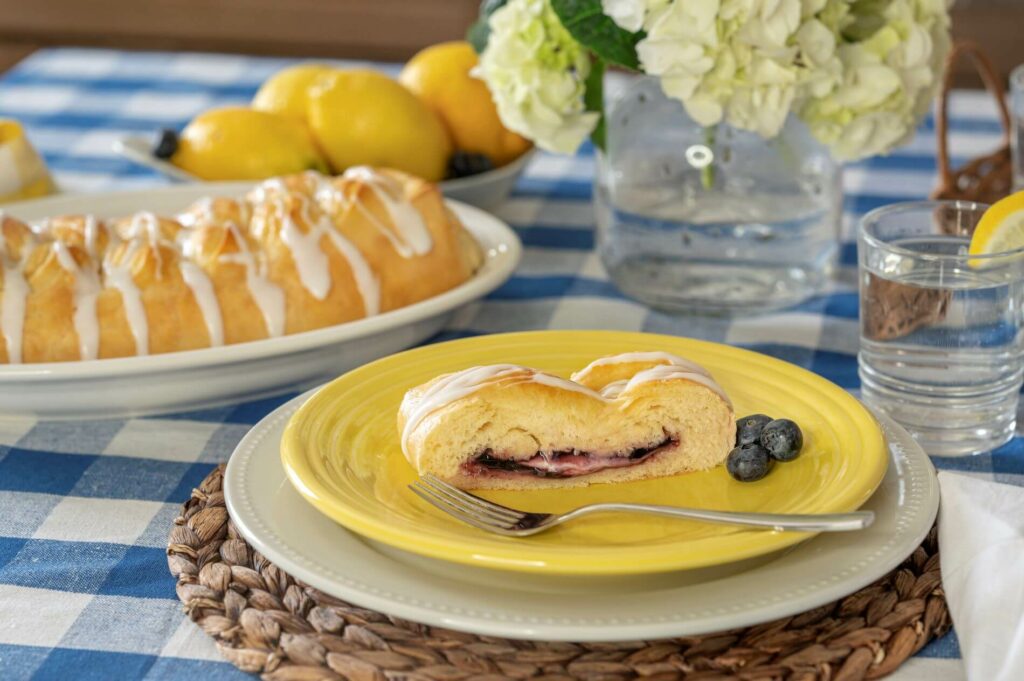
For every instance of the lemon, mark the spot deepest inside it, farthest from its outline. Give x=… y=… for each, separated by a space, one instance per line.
x=1001 y=228
x=287 y=91
x=441 y=76
x=26 y=175
x=238 y=143
x=363 y=117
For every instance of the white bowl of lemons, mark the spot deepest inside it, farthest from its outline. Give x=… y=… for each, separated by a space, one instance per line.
x=435 y=121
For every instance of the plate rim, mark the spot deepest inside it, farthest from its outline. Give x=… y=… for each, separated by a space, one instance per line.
x=134 y=147
x=462 y=549
x=502 y=249
x=906 y=457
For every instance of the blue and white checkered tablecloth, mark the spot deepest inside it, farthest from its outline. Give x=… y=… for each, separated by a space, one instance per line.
x=85 y=508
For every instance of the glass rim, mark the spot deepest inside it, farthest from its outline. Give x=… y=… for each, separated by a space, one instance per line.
x=907 y=206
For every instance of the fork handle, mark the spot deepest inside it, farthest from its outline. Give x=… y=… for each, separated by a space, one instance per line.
x=780 y=522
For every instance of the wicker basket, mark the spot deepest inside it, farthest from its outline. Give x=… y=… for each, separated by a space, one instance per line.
x=988 y=178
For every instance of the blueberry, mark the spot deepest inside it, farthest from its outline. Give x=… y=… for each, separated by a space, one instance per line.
x=167 y=144
x=748 y=428
x=783 y=439
x=748 y=463
x=464 y=164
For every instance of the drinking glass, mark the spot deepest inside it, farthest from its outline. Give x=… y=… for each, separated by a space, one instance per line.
x=1017 y=120
x=942 y=346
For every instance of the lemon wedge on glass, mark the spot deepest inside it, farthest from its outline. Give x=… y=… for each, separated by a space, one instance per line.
x=1001 y=228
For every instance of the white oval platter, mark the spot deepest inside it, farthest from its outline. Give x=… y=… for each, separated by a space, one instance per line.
x=272 y=516
x=209 y=377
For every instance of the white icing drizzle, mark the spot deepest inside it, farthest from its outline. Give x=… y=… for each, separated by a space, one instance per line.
x=647 y=357
x=206 y=298
x=310 y=260
x=324 y=190
x=90 y=230
x=145 y=221
x=87 y=288
x=268 y=296
x=663 y=372
x=406 y=220
x=200 y=210
x=562 y=383
x=264 y=190
x=312 y=263
x=120 y=277
x=672 y=366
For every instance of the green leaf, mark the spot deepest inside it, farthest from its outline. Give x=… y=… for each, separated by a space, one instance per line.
x=478 y=34
x=593 y=98
x=590 y=26
x=480 y=31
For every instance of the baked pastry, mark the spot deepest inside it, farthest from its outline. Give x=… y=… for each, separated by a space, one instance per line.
x=297 y=253
x=627 y=417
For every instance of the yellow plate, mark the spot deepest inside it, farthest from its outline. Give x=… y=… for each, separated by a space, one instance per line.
x=341 y=451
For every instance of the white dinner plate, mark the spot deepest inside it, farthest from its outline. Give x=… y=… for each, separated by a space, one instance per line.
x=211 y=376
x=485 y=190
x=283 y=527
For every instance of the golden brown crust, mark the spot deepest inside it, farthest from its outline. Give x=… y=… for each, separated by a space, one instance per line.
x=15 y=236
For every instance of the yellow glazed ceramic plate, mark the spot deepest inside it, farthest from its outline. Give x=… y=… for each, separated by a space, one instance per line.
x=341 y=451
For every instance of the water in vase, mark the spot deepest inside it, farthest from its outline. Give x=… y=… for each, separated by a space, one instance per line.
x=721 y=220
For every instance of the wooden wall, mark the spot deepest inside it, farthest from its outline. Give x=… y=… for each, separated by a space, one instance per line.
x=375 y=29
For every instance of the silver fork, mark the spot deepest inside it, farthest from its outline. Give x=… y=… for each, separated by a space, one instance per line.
x=493 y=517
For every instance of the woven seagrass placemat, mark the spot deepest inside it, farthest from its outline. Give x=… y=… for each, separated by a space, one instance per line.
x=266 y=622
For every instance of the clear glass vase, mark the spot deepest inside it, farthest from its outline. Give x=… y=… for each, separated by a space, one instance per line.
x=712 y=220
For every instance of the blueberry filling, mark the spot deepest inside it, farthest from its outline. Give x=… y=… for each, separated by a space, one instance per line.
x=564 y=463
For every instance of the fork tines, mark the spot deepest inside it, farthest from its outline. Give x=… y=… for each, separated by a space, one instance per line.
x=468 y=508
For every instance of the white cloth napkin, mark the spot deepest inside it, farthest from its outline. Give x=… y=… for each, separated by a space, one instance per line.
x=981 y=541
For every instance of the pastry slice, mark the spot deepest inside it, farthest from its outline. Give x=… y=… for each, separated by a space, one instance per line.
x=628 y=417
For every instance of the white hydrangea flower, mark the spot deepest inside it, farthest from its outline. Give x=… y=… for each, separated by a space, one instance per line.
x=860 y=73
x=536 y=73
x=888 y=82
x=682 y=47
x=733 y=60
x=823 y=68
x=768 y=24
x=631 y=15
x=765 y=107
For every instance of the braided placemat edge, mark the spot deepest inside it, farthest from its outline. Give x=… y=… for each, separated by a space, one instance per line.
x=266 y=622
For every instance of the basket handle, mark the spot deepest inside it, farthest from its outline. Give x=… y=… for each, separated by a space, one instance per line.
x=993 y=83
